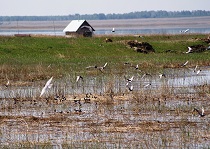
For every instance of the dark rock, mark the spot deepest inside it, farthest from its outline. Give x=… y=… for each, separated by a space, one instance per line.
x=108 y=40
x=142 y=47
x=197 y=48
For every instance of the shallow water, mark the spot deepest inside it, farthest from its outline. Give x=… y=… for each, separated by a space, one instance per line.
x=147 y=117
x=108 y=31
x=182 y=78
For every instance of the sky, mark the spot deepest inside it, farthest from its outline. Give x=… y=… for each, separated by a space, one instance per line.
x=67 y=7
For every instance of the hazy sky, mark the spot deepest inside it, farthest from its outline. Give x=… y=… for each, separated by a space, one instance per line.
x=66 y=7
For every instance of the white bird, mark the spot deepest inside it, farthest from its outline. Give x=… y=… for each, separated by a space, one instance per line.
x=113 y=30
x=201 y=113
x=189 y=50
x=129 y=80
x=186 y=30
x=184 y=64
x=47 y=85
x=78 y=78
x=88 y=67
x=136 y=67
x=195 y=68
x=162 y=75
x=147 y=85
x=7 y=84
x=130 y=88
x=146 y=74
x=102 y=68
x=198 y=71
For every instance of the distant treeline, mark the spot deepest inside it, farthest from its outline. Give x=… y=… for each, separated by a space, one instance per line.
x=102 y=16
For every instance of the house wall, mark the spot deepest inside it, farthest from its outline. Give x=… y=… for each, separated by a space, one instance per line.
x=82 y=31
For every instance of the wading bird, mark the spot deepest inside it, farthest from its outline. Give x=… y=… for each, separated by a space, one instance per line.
x=47 y=85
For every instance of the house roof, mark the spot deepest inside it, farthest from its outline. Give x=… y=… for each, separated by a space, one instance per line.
x=74 y=25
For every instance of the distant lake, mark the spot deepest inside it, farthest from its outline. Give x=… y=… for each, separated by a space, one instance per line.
x=104 y=27
x=108 y=31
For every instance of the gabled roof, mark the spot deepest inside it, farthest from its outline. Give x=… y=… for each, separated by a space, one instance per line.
x=74 y=25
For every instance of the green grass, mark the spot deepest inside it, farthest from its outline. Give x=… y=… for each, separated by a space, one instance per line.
x=74 y=54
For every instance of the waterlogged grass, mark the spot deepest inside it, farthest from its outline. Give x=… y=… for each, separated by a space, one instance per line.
x=65 y=55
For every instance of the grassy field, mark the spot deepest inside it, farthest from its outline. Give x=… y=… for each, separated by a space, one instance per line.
x=21 y=55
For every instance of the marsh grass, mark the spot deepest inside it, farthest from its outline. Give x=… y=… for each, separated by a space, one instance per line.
x=19 y=55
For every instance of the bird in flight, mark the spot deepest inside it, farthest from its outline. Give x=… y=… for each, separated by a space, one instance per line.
x=189 y=50
x=113 y=30
x=129 y=80
x=102 y=68
x=130 y=87
x=201 y=113
x=47 y=85
x=8 y=83
x=162 y=75
x=183 y=65
x=78 y=78
x=196 y=70
x=96 y=67
x=146 y=74
x=147 y=85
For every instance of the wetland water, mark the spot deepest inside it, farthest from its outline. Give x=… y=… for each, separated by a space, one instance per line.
x=160 y=115
x=104 y=27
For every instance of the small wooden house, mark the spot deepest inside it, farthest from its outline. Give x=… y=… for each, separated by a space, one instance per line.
x=79 y=28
